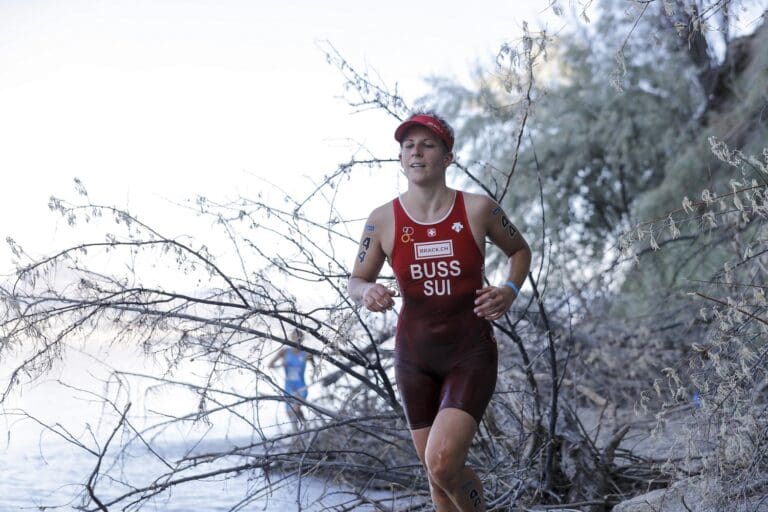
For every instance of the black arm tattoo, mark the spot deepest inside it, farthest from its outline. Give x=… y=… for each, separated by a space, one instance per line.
x=505 y=222
x=365 y=245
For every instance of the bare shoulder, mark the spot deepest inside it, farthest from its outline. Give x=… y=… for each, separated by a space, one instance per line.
x=382 y=215
x=478 y=206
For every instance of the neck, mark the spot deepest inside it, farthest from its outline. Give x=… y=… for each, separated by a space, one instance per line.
x=428 y=204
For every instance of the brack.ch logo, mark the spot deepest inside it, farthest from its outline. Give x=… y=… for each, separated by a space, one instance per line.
x=427 y=250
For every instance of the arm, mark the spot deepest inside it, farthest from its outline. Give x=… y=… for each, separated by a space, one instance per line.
x=362 y=286
x=493 y=301
x=278 y=357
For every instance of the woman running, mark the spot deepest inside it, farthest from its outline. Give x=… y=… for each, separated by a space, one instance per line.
x=445 y=353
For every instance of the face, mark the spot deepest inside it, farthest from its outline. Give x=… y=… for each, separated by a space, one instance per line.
x=296 y=335
x=423 y=155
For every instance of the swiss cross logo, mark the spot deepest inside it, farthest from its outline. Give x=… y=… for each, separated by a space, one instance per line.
x=431 y=232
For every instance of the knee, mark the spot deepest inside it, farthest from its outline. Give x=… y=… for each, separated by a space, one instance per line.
x=443 y=470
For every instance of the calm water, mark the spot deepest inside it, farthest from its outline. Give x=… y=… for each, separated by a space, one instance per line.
x=30 y=480
x=40 y=471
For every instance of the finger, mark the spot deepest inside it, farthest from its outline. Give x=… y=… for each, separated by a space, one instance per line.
x=372 y=301
x=483 y=312
x=483 y=299
x=381 y=302
x=485 y=291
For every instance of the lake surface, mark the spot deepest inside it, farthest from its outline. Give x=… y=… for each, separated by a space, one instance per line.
x=38 y=470
x=53 y=480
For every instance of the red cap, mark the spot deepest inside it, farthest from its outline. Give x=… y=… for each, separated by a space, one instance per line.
x=428 y=121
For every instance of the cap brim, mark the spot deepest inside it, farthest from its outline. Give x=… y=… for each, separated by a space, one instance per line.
x=429 y=123
x=400 y=132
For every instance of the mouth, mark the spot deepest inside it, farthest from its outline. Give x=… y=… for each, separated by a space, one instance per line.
x=417 y=165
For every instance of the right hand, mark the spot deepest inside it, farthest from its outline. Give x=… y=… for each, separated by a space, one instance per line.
x=378 y=298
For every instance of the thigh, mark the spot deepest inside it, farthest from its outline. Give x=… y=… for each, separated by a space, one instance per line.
x=420 y=436
x=470 y=384
x=420 y=393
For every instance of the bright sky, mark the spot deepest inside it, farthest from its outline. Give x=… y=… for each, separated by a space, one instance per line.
x=151 y=99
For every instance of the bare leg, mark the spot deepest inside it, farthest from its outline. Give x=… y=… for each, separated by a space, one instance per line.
x=297 y=412
x=440 y=499
x=295 y=416
x=443 y=449
x=447 y=447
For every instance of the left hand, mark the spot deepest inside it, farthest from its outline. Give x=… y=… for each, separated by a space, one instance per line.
x=493 y=301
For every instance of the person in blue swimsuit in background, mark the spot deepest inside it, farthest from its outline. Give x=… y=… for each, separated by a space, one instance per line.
x=294 y=361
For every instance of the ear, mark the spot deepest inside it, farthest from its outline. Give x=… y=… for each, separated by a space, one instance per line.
x=448 y=158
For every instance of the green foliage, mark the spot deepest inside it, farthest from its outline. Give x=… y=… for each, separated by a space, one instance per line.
x=600 y=134
x=737 y=117
x=609 y=126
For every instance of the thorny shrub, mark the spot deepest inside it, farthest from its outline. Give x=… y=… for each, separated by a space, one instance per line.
x=725 y=378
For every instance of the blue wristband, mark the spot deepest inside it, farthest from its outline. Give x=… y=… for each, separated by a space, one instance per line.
x=513 y=286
